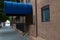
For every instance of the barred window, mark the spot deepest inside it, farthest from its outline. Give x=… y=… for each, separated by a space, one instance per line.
x=45 y=13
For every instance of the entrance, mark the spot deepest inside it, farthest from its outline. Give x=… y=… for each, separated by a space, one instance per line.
x=20 y=23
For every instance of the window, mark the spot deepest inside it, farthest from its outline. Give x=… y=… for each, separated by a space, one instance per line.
x=22 y=19
x=45 y=13
x=27 y=1
x=20 y=0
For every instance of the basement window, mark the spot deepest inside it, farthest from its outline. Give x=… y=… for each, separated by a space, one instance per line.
x=45 y=11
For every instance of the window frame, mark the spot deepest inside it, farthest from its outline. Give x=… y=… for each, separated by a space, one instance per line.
x=42 y=9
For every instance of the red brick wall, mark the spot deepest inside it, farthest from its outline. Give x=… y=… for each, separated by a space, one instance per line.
x=47 y=30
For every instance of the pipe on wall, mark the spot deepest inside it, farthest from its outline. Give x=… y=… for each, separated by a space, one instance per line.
x=36 y=18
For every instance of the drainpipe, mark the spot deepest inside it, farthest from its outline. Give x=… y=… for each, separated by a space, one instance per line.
x=36 y=18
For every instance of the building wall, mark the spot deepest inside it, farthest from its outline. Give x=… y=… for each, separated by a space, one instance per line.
x=32 y=31
x=47 y=30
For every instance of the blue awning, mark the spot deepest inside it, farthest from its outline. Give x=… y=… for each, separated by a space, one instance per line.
x=16 y=8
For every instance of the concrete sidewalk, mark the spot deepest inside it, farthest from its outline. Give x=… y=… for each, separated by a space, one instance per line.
x=11 y=34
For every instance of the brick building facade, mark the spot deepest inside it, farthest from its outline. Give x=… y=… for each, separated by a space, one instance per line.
x=46 y=27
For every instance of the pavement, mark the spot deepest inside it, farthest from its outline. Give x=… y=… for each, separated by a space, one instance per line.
x=11 y=34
